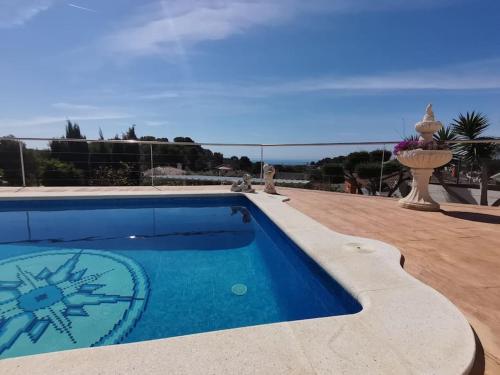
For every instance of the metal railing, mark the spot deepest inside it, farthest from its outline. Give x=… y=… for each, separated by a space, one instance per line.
x=136 y=141
x=261 y=147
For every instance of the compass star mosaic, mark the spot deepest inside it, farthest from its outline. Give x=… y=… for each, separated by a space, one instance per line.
x=58 y=300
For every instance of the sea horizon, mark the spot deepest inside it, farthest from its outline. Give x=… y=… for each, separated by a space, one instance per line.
x=285 y=161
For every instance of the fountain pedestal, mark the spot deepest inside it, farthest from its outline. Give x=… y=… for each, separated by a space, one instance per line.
x=422 y=163
x=419 y=197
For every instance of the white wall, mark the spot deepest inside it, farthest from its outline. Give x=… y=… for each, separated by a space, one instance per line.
x=471 y=195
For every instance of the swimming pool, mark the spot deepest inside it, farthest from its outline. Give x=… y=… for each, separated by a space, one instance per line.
x=88 y=272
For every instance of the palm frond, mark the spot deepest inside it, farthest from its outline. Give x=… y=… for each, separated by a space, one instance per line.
x=411 y=138
x=445 y=134
x=470 y=127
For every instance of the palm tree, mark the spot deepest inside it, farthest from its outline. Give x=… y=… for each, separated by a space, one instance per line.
x=443 y=135
x=470 y=127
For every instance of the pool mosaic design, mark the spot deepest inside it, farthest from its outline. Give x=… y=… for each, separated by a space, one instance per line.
x=83 y=273
x=54 y=300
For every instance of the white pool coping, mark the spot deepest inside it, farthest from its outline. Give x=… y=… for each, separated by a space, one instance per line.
x=405 y=326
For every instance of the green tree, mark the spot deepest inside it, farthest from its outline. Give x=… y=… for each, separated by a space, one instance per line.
x=376 y=156
x=218 y=158
x=161 y=152
x=396 y=174
x=76 y=153
x=195 y=157
x=350 y=163
x=108 y=176
x=245 y=164
x=54 y=172
x=364 y=162
x=128 y=154
x=336 y=160
x=10 y=162
x=443 y=135
x=470 y=127
x=71 y=152
x=99 y=155
x=371 y=173
x=334 y=172
x=355 y=158
x=234 y=161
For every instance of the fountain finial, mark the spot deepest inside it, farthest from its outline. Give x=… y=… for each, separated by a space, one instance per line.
x=429 y=113
x=428 y=126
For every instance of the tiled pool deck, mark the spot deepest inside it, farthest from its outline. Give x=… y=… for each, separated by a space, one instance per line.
x=456 y=251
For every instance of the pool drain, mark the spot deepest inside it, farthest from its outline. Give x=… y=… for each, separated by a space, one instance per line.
x=239 y=289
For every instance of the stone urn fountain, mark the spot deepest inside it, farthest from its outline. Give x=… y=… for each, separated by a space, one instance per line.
x=422 y=161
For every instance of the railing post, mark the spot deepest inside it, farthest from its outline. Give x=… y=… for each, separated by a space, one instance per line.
x=152 y=165
x=381 y=171
x=21 y=157
x=261 y=164
x=89 y=170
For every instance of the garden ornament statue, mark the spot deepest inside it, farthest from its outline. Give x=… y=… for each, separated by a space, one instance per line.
x=269 y=172
x=422 y=157
x=244 y=185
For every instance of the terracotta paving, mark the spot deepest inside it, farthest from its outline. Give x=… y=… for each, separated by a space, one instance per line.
x=456 y=251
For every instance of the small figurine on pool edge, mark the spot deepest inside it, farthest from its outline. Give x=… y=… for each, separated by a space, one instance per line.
x=244 y=185
x=269 y=172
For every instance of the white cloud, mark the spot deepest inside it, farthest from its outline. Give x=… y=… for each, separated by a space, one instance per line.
x=171 y=26
x=17 y=12
x=156 y=123
x=478 y=75
x=79 y=7
x=68 y=111
x=181 y=25
x=159 y=95
x=72 y=106
x=49 y=120
x=385 y=82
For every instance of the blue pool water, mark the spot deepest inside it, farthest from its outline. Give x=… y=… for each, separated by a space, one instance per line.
x=90 y=272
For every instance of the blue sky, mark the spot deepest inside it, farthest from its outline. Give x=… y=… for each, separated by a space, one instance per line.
x=246 y=71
